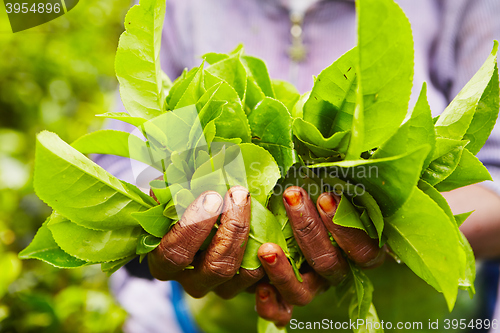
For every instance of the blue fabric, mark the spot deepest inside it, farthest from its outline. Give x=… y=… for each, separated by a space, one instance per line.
x=487 y=291
x=184 y=317
x=491 y=272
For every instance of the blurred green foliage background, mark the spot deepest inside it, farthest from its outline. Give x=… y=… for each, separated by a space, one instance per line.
x=56 y=76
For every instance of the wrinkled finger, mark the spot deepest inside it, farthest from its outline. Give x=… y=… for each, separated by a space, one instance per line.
x=270 y=306
x=222 y=259
x=223 y=256
x=281 y=275
x=312 y=236
x=240 y=282
x=356 y=243
x=178 y=247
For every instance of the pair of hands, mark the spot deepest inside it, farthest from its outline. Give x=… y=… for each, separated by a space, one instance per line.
x=275 y=284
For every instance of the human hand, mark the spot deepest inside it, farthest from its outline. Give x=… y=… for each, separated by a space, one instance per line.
x=215 y=268
x=326 y=263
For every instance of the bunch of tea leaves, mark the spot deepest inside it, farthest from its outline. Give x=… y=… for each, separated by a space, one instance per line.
x=227 y=123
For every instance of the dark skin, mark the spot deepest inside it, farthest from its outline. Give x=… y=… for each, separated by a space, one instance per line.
x=215 y=268
x=326 y=264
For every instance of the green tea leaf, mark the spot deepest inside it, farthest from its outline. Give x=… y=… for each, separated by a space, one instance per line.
x=390 y=180
x=232 y=71
x=153 y=221
x=261 y=171
x=80 y=189
x=468 y=276
x=341 y=293
x=93 y=245
x=170 y=211
x=246 y=164
x=193 y=92
x=298 y=108
x=371 y=323
x=117 y=143
x=417 y=131
x=212 y=175
x=468 y=271
x=179 y=87
x=357 y=139
x=209 y=108
x=213 y=57
x=258 y=81
x=444 y=146
x=233 y=122
x=112 y=266
x=330 y=106
x=161 y=191
x=459 y=116
x=277 y=207
x=182 y=199
x=123 y=116
x=440 y=168
x=438 y=198
x=286 y=93
x=364 y=291
x=347 y=215
x=253 y=96
x=145 y=197
x=314 y=140
x=422 y=235
x=421 y=129
x=468 y=171
x=147 y=243
x=264 y=228
x=396 y=145
x=460 y=218
x=43 y=247
x=271 y=126
x=385 y=47
x=257 y=70
x=137 y=62
x=368 y=225
x=176 y=127
x=373 y=210
x=485 y=116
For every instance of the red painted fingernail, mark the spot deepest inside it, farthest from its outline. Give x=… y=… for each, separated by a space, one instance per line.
x=293 y=198
x=270 y=258
x=263 y=294
x=328 y=203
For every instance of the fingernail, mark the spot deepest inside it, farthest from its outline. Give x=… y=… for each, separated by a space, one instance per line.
x=293 y=198
x=270 y=258
x=263 y=295
x=328 y=203
x=212 y=203
x=240 y=197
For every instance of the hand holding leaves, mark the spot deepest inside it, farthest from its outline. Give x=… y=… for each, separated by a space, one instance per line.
x=327 y=264
x=215 y=267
